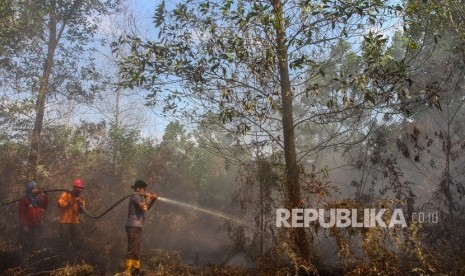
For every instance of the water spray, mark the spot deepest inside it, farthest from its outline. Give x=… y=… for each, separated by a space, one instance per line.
x=186 y=205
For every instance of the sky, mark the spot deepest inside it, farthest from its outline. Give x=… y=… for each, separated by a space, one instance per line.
x=133 y=109
x=141 y=13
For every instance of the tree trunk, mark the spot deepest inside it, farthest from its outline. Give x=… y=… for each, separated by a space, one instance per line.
x=298 y=235
x=34 y=156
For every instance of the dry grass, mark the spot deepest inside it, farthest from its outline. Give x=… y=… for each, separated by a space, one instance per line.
x=162 y=263
x=78 y=270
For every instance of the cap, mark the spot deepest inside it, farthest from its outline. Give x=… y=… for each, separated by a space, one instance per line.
x=139 y=184
x=79 y=183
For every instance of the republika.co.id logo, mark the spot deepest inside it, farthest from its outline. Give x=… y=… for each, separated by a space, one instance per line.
x=340 y=217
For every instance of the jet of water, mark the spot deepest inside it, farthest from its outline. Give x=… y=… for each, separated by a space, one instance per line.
x=186 y=205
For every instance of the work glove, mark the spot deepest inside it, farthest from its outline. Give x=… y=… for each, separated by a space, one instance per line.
x=79 y=200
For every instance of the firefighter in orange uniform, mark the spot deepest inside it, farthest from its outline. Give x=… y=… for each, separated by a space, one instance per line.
x=70 y=204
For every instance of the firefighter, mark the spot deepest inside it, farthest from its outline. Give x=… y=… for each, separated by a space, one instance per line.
x=139 y=203
x=31 y=208
x=70 y=204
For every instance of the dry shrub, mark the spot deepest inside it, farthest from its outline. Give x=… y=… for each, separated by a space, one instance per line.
x=283 y=259
x=384 y=251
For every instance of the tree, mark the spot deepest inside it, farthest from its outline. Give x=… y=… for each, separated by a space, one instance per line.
x=51 y=60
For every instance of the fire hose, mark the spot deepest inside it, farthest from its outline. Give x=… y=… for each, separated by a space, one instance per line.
x=45 y=191
x=84 y=211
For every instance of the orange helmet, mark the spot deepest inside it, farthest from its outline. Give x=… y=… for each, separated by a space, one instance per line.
x=79 y=183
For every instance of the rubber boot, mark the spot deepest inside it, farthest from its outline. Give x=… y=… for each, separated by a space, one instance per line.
x=128 y=264
x=136 y=265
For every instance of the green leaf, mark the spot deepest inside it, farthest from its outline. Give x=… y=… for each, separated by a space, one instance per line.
x=297 y=63
x=159 y=14
x=204 y=7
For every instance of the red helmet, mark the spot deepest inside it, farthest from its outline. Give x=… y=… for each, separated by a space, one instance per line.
x=79 y=183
